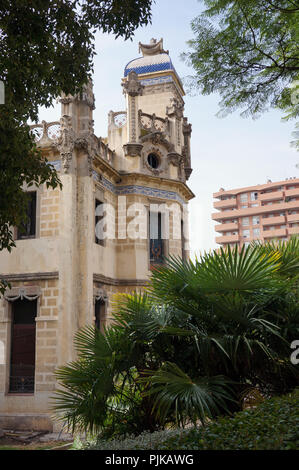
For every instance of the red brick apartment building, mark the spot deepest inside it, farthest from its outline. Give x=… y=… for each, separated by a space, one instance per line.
x=264 y=212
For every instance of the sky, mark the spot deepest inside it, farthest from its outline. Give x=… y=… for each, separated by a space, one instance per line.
x=230 y=152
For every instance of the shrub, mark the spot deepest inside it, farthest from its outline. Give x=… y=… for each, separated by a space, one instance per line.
x=273 y=425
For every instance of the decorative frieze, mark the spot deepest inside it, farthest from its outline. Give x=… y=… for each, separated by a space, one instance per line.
x=28 y=293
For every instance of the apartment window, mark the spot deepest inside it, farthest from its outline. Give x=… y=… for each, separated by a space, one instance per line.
x=244 y=197
x=246 y=233
x=255 y=220
x=253 y=196
x=245 y=206
x=245 y=221
x=256 y=232
x=22 y=358
x=156 y=245
x=27 y=229
x=99 y=235
x=254 y=205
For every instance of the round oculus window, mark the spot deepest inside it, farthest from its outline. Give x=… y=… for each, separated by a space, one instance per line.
x=153 y=160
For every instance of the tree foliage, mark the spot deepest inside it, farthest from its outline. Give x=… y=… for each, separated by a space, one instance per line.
x=47 y=46
x=248 y=52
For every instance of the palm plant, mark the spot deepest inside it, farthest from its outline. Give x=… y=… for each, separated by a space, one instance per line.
x=186 y=349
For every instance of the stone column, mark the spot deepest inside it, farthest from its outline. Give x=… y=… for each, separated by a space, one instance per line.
x=133 y=89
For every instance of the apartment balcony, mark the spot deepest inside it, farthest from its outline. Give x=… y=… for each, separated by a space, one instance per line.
x=293 y=231
x=281 y=232
x=226 y=227
x=273 y=196
x=291 y=218
x=225 y=203
x=227 y=239
x=292 y=192
x=233 y=214
x=273 y=220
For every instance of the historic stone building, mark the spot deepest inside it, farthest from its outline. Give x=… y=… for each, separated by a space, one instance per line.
x=97 y=236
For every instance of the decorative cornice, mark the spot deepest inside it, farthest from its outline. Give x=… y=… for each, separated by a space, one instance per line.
x=151 y=191
x=119 y=282
x=30 y=276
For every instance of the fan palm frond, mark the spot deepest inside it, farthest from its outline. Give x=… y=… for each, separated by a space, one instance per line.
x=199 y=398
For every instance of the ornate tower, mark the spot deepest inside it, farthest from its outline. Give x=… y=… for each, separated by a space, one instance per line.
x=155 y=139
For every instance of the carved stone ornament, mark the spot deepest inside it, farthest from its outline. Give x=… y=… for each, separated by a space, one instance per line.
x=174 y=158
x=66 y=99
x=65 y=142
x=187 y=127
x=188 y=172
x=87 y=95
x=89 y=142
x=175 y=109
x=133 y=150
x=28 y=293
x=100 y=294
x=155 y=47
x=133 y=86
x=157 y=138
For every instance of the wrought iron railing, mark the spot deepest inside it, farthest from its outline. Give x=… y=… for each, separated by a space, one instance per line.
x=21 y=379
x=22 y=384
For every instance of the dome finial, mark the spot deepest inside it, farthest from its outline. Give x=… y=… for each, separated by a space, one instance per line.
x=155 y=47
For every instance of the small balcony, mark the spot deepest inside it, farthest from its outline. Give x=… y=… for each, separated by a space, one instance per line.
x=228 y=239
x=226 y=203
x=273 y=220
x=281 y=232
x=293 y=231
x=292 y=192
x=273 y=196
x=226 y=227
x=291 y=218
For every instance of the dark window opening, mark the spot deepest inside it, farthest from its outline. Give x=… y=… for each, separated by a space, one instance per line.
x=99 y=233
x=153 y=160
x=99 y=314
x=183 y=241
x=156 y=242
x=22 y=359
x=27 y=229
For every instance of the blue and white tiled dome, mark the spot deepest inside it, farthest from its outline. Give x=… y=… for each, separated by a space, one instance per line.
x=149 y=64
